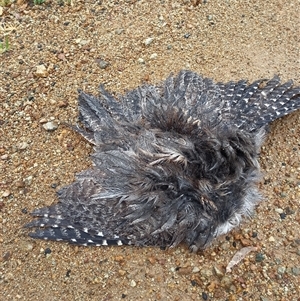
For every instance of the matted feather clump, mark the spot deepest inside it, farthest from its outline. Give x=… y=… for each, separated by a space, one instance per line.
x=174 y=163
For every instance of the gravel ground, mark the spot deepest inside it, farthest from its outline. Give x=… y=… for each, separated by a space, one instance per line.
x=54 y=49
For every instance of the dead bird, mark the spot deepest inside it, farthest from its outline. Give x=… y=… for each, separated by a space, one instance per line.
x=173 y=163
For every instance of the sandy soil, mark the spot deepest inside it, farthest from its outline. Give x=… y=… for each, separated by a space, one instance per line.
x=56 y=49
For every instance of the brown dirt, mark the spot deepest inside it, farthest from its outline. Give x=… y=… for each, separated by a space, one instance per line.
x=225 y=40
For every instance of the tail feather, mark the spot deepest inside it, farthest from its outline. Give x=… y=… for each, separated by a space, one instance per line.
x=78 y=237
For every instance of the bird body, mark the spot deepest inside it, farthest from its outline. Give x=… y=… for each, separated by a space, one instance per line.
x=173 y=163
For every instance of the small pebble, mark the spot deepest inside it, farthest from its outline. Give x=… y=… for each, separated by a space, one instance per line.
x=271 y=239
x=43 y=120
x=29 y=247
x=50 y=126
x=207 y=273
x=41 y=71
x=259 y=257
x=119 y=258
x=184 y=271
x=119 y=30
x=132 y=283
x=212 y=286
x=152 y=259
x=62 y=104
x=196 y=270
x=281 y=270
x=296 y=271
x=282 y=215
x=22 y=145
x=122 y=272
x=218 y=271
x=279 y=210
x=47 y=251
x=204 y=296
x=153 y=56
x=6 y=193
x=148 y=41
x=82 y=42
x=102 y=64
x=20 y=184
x=194 y=283
x=141 y=61
x=28 y=180
x=246 y=242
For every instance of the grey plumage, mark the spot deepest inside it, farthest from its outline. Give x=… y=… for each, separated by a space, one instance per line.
x=175 y=163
